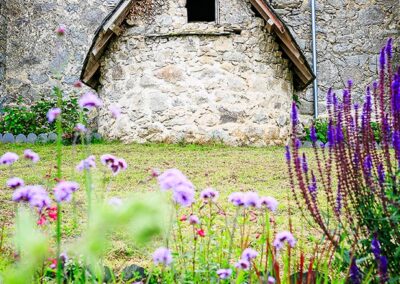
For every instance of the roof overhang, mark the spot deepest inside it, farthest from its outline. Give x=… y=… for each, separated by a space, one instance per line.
x=112 y=26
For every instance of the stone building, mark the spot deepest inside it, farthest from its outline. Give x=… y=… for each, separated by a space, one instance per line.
x=349 y=36
x=220 y=71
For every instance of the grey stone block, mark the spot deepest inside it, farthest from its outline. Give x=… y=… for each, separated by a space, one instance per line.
x=42 y=138
x=8 y=138
x=1 y=137
x=307 y=144
x=52 y=137
x=96 y=136
x=32 y=138
x=21 y=138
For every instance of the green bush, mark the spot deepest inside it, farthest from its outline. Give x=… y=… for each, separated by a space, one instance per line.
x=23 y=119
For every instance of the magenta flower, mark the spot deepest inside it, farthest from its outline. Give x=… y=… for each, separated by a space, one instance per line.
x=115 y=111
x=89 y=101
x=224 y=273
x=184 y=195
x=53 y=114
x=269 y=202
x=15 y=182
x=61 y=30
x=237 y=198
x=8 y=158
x=86 y=164
x=249 y=254
x=194 y=220
x=64 y=189
x=172 y=178
x=30 y=155
x=251 y=199
x=80 y=128
x=283 y=237
x=243 y=264
x=78 y=84
x=209 y=194
x=162 y=256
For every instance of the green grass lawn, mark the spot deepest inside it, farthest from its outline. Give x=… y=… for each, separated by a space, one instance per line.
x=226 y=169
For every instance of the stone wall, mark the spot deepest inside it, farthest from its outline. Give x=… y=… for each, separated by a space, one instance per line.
x=350 y=34
x=31 y=45
x=196 y=82
x=3 y=43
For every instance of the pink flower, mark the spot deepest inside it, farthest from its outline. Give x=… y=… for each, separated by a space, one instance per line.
x=115 y=111
x=80 y=128
x=89 y=101
x=209 y=194
x=53 y=114
x=269 y=202
x=30 y=155
x=78 y=84
x=224 y=273
x=283 y=237
x=8 y=158
x=86 y=164
x=194 y=220
x=201 y=233
x=61 y=30
x=15 y=182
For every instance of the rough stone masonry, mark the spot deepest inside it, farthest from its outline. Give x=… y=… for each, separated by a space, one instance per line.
x=350 y=33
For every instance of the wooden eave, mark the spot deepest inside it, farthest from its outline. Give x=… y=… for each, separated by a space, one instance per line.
x=111 y=27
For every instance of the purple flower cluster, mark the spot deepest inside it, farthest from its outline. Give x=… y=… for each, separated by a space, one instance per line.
x=283 y=237
x=15 y=182
x=183 y=189
x=251 y=199
x=53 y=114
x=89 y=101
x=8 y=158
x=209 y=194
x=35 y=195
x=224 y=273
x=113 y=163
x=269 y=202
x=87 y=164
x=247 y=257
x=30 y=155
x=80 y=128
x=64 y=189
x=162 y=256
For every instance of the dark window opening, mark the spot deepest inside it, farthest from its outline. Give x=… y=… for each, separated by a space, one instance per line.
x=201 y=10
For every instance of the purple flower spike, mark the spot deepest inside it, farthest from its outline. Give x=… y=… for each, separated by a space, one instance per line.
x=251 y=199
x=331 y=134
x=15 y=182
x=381 y=175
x=86 y=164
x=376 y=247
x=304 y=163
x=313 y=134
x=383 y=269
x=350 y=83
x=367 y=165
x=338 y=208
x=209 y=194
x=8 y=158
x=283 y=237
x=53 y=114
x=382 y=59
x=269 y=202
x=162 y=256
x=30 y=155
x=295 y=116
x=287 y=153
x=249 y=254
x=237 y=198
x=389 y=48
x=89 y=101
x=355 y=273
x=243 y=264
x=224 y=273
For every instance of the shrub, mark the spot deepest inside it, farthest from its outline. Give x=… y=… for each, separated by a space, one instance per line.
x=353 y=193
x=24 y=119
